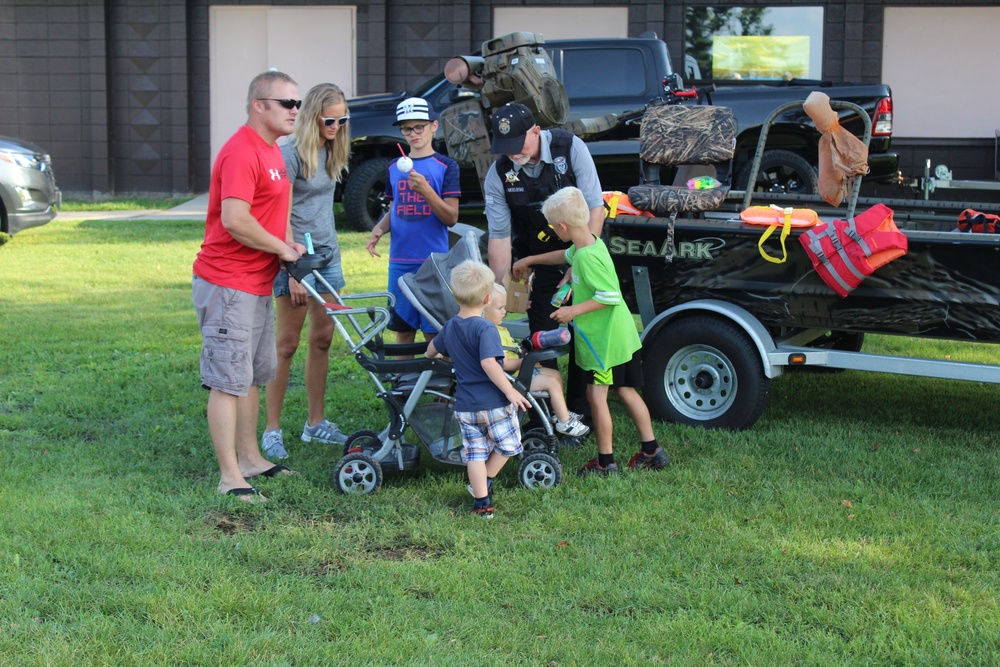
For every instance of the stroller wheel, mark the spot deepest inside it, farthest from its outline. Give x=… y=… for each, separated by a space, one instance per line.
x=539 y=470
x=357 y=473
x=366 y=440
x=534 y=443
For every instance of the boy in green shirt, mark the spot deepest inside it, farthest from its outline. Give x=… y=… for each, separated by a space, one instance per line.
x=606 y=340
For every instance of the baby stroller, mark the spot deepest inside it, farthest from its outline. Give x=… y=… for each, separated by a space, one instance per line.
x=419 y=393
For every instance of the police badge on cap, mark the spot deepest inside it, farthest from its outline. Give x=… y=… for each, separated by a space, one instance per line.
x=511 y=123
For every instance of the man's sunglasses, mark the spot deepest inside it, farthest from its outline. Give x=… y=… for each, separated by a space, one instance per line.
x=329 y=122
x=287 y=103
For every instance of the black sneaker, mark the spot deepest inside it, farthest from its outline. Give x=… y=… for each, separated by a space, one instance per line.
x=593 y=467
x=483 y=512
x=655 y=461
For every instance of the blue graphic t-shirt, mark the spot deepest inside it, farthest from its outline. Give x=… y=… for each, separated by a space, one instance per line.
x=415 y=232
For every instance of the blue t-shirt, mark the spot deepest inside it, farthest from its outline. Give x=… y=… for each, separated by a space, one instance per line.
x=468 y=341
x=415 y=231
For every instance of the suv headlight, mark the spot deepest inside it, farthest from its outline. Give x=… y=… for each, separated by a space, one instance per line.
x=25 y=160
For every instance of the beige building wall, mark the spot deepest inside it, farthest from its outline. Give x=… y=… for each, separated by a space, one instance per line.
x=310 y=44
x=943 y=65
x=562 y=22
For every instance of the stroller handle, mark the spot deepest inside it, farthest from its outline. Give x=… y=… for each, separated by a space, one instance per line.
x=307 y=263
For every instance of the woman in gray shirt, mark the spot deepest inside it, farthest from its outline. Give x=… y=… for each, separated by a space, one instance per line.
x=316 y=158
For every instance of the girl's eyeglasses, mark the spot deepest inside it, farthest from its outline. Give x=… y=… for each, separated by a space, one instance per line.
x=340 y=122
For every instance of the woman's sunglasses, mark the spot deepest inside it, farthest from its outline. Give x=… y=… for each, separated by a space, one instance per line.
x=340 y=122
x=287 y=103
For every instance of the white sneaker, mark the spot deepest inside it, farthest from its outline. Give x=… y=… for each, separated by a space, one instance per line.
x=272 y=443
x=325 y=431
x=573 y=427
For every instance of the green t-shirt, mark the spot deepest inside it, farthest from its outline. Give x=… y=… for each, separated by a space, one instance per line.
x=609 y=337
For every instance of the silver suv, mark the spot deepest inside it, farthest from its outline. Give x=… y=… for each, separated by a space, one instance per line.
x=28 y=192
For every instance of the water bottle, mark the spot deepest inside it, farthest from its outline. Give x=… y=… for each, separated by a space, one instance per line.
x=543 y=339
x=562 y=296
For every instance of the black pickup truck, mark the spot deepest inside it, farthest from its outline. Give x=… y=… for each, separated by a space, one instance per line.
x=621 y=77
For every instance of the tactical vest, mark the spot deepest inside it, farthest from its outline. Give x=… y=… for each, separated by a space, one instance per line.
x=530 y=233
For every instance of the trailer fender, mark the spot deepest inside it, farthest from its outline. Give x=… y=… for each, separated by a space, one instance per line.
x=738 y=316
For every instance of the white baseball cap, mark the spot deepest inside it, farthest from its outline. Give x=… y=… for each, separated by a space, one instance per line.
x=413 y=108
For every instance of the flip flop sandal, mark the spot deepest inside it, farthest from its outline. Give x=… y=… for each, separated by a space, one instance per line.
x=274 y=471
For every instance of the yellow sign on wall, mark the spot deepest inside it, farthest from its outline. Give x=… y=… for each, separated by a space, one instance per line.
x=764 y=57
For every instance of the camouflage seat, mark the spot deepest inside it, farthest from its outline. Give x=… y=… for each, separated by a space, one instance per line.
x=672 y=136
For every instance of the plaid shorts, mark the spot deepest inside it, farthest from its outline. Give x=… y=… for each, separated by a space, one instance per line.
x=486 y=430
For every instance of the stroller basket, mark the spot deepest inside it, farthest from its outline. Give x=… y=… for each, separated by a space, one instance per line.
x=435 y=424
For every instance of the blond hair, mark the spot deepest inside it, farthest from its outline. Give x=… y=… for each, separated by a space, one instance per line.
x=567 y=206
x=471 y=282
x=260 y=86
x=307 y=138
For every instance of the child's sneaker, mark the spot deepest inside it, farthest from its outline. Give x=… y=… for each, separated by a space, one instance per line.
x=325 y=431
x=655 y=461
x=593 y=467
x=572 y=427
x=489 y=488
x=485 y=512
x=273 y=444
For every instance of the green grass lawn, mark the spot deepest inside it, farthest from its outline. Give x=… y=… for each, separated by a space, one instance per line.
x=122 y=204
x=855 y=524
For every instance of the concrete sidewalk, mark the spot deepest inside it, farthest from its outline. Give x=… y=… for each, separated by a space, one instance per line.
x=195 y=209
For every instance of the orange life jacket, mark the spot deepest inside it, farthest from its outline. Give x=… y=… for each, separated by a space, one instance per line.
x=845 y=252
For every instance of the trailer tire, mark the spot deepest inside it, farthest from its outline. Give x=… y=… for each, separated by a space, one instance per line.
x=364 y=195
x=782 y=172
x=704 y=371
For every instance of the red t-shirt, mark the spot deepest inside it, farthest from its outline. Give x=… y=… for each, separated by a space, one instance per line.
x=246 y=168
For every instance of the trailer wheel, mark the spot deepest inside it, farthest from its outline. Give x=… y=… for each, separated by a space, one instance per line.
x=703 y=371
x=782 y=172
x=364 y=195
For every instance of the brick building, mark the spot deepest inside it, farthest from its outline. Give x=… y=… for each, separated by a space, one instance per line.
x=128 y=95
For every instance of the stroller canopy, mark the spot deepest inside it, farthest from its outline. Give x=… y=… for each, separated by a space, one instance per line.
x=429 y=289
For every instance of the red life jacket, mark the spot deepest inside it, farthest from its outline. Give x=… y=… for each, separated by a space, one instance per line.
x=845 y=252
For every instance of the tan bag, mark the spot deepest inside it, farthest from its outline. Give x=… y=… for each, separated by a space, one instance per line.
x=842 y=156
x=518 y=295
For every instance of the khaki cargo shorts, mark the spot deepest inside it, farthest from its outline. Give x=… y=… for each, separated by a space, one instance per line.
x=237 y=334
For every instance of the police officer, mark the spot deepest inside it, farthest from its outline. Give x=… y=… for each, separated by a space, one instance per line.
x=533 y=164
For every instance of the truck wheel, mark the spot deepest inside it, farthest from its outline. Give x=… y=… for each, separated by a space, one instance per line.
x=782 y=172
x=703 y=371
x=364 y=195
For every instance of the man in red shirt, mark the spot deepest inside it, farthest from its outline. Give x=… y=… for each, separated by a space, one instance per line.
x=245 y=241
